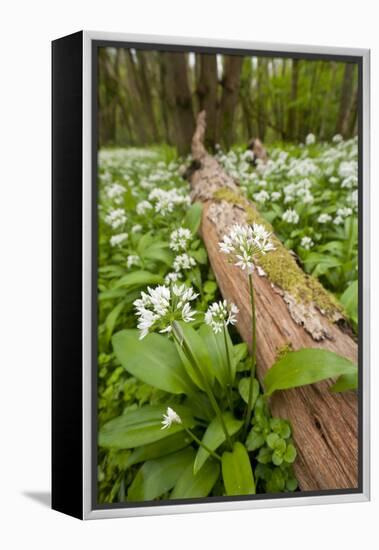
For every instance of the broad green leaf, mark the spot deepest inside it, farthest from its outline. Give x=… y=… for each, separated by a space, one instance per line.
x=349 y=300
x=192 y=218
x=154 y=360
x=160 y=252
x=200 y=255
x=215 y=344
x=194 y=354
x=163 y=447
x=144 y=242
x=237 y=473
x=140 y=427
x=138 y=279
x=191 y=485
x=244 y=388
x=346 y=382
x=158 y=476
x=111 y=319
x=306 y=366
x=111 y=294
x=214 y=436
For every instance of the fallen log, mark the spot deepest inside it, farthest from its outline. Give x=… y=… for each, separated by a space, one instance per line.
x=293 y=311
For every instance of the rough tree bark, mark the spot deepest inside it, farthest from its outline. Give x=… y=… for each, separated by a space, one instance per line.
x=345 y=101
x=294 y=310
x=178 y=98
x=229 y=99
x=207 y=85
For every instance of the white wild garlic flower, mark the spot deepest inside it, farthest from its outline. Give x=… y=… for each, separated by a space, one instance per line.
x=310 y=139
x=171 y=417
x=220 y=314
x=172 y=277
x=132 y=260
x=324 y=218
x=116 y=218
x=307 y=243
x=142 y=207
x=116 y=240
x=179 y=239
x=291 y=216
x=159 y=307
x=245 y=244
x=183 y=262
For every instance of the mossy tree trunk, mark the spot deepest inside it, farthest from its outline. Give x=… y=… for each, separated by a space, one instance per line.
x=294 y=310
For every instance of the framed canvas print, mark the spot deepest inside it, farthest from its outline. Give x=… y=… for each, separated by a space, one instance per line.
x=210 y=275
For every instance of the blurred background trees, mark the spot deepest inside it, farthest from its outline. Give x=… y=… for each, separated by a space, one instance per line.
x=151 y=97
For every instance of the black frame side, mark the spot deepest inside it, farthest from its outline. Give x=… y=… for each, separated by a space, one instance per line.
x=67 y=415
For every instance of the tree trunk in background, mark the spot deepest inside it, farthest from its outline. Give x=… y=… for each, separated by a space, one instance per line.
x=261 y=100
x=146 y=95
x=107 y=96
x=292 y=111
x=230 y=92
x=246 y=93
x=133 y=91
x=206 y=89
x=351 y=119
x=178 y=99
x=325 y=426
x=324 y=127
x=345 y=100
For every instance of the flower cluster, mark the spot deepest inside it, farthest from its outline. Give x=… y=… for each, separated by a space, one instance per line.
x=183 y=262
x=245 y=244
x=179 y=239
x=291 y=216
x=159 y=307
x=165 y=201
x=142 y=207
x=117 y=240
x=221 y=314
x=115 y=191
x=116 y=218
x=171 y=417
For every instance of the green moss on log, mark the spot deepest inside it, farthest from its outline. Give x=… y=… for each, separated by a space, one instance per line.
x=281 y=267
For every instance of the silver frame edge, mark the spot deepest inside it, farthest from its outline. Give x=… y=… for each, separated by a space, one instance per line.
x=88 y=512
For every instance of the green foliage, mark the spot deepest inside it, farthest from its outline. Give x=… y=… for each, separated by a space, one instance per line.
x=237 y=473
x=196 y=485
x=306 y=366
x=153 y=360
x=202 y=376
x=214 y=436
x=159 y=476
x=139 y=427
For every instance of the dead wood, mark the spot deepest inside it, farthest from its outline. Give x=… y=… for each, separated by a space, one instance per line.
x=293 y=310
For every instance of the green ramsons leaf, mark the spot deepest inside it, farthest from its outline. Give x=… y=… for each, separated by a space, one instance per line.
x=214 y=436
x=306 y=366
x=237 y=473
x=156 y=477
x=154 y=360
x=141 y=427
x=191 y=485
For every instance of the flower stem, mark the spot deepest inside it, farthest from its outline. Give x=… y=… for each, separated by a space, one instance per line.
x=253 y=354
x=201 y=444
x=207 y=388
x=229 y=388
